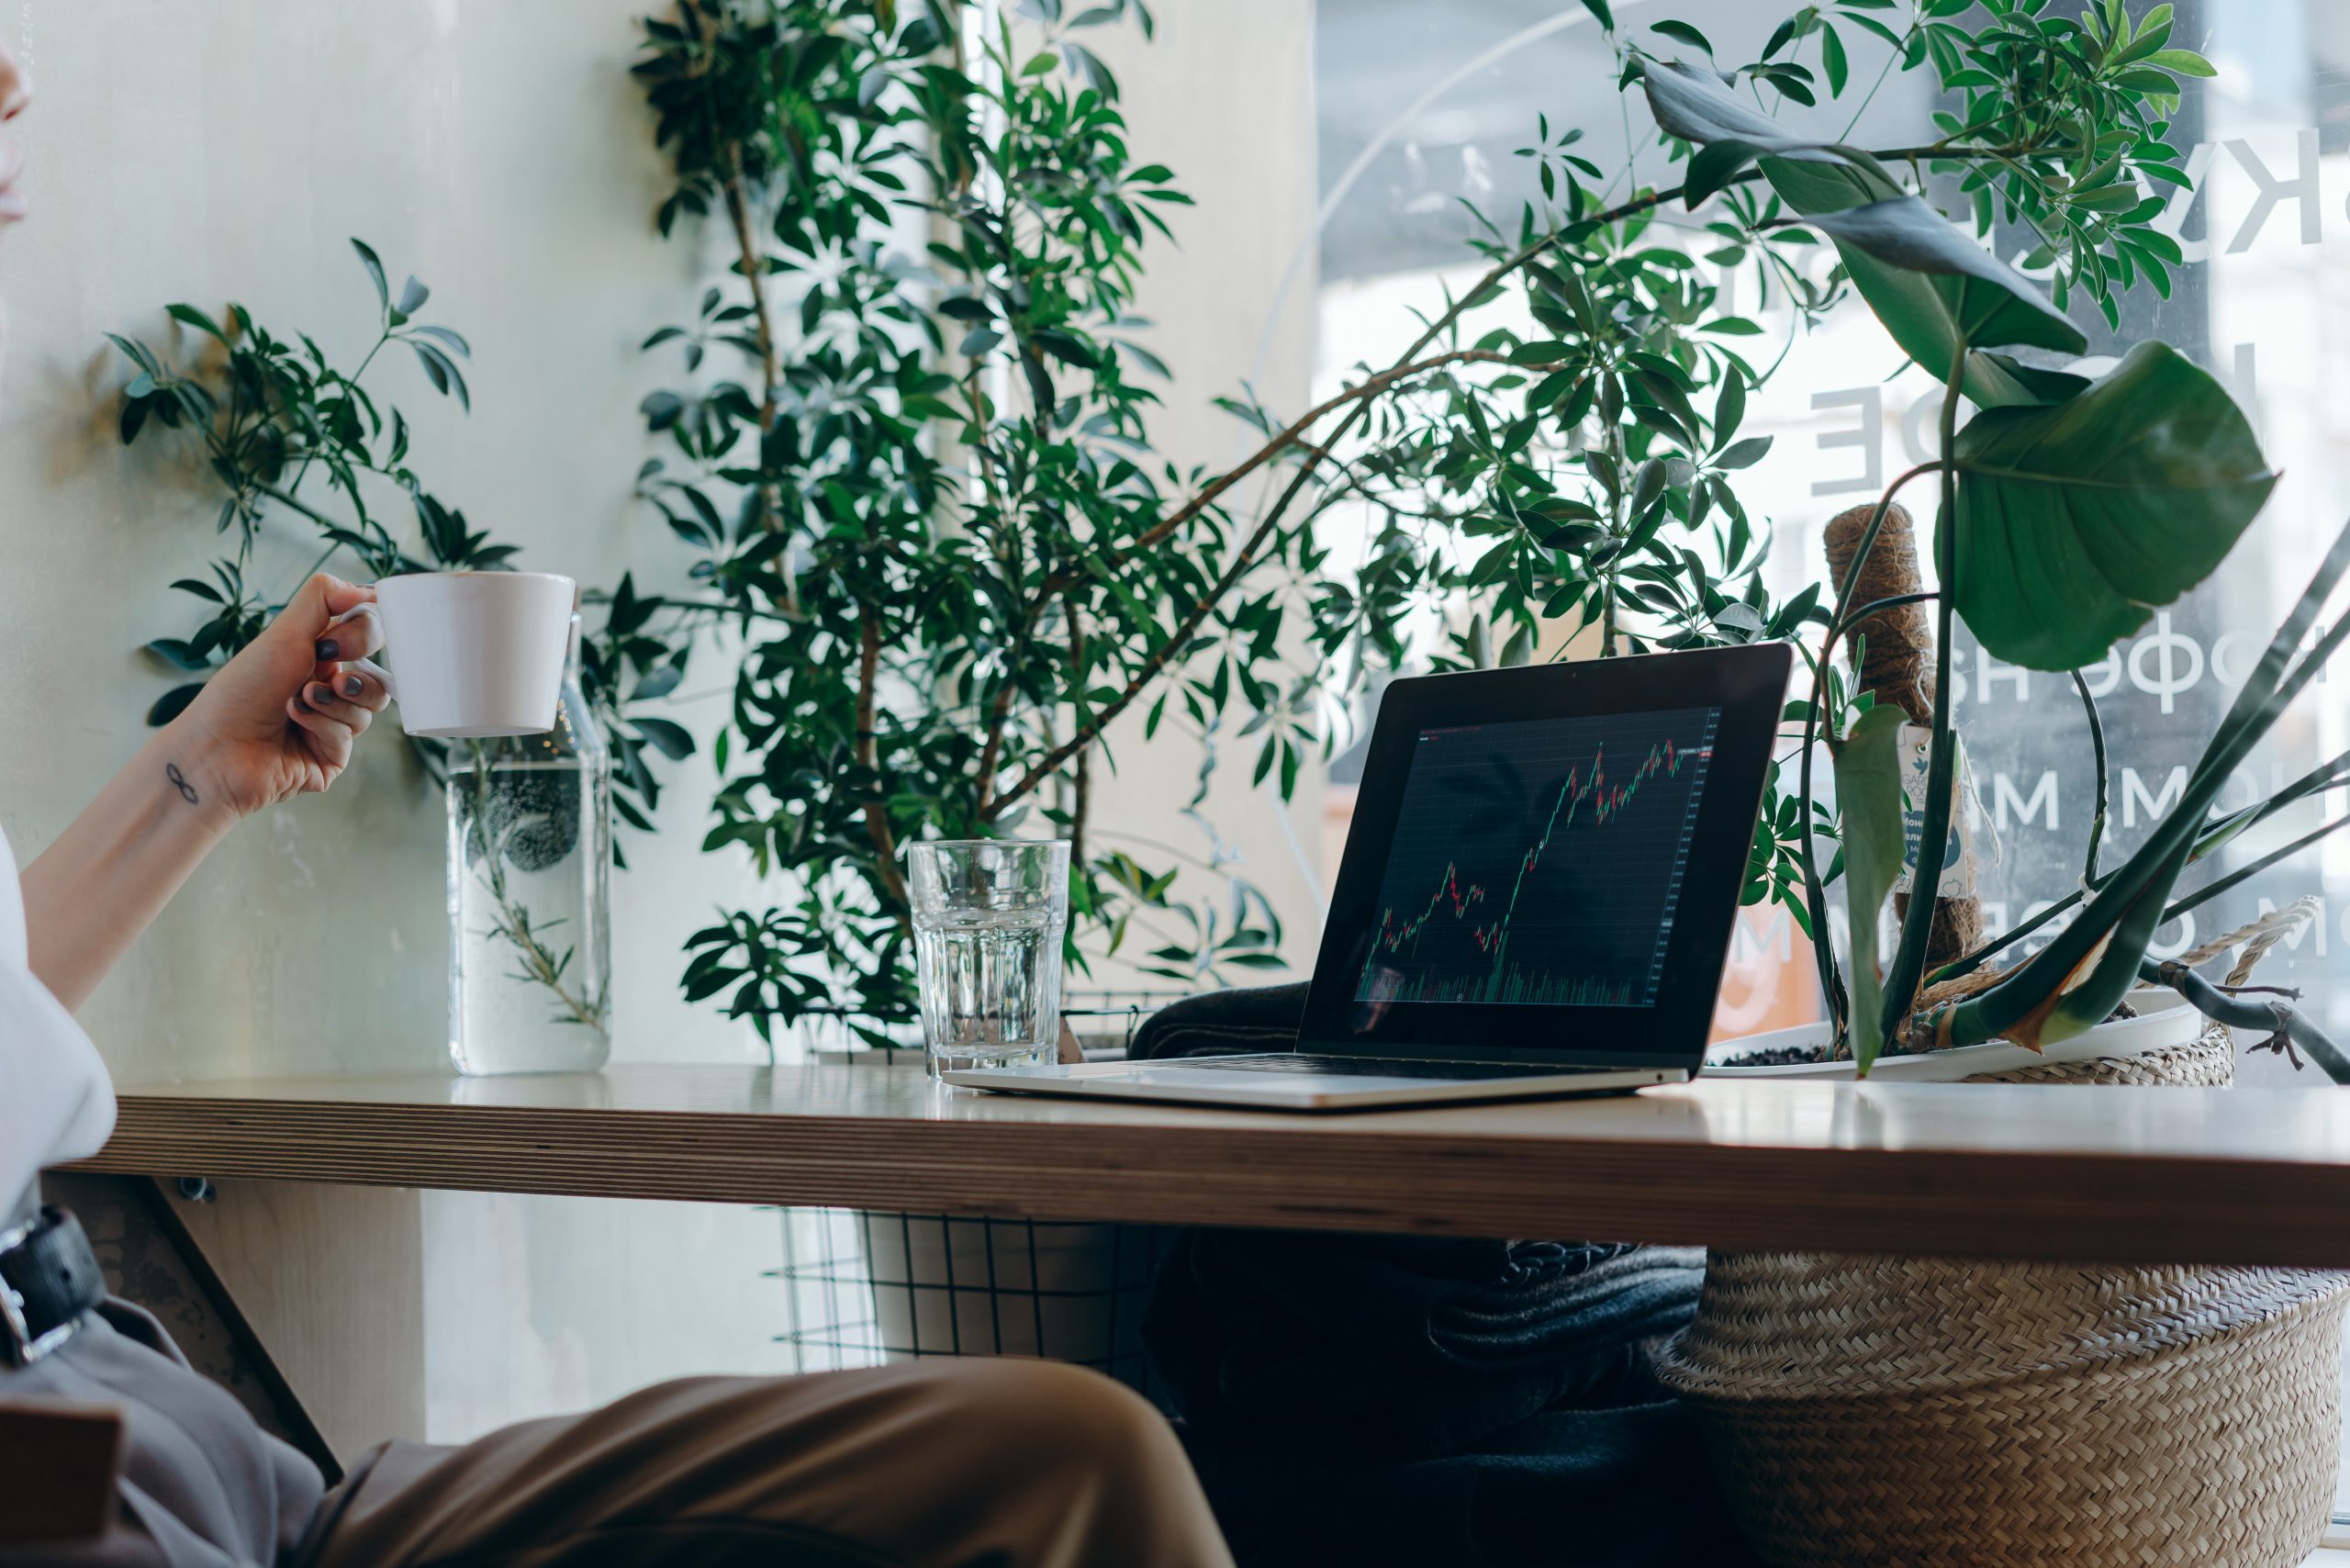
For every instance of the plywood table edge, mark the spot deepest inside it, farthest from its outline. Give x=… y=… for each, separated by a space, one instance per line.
x=1294 y=1175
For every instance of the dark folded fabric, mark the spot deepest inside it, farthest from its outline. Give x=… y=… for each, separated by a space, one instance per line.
x=1401 y=1347
x=1221 y=1023
x=1410 y=1400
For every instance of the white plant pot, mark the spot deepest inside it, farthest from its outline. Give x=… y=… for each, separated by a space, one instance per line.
x=953 y=1286
x=2164 y=1021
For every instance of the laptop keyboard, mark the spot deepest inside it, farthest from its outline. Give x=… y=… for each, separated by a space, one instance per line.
x=1373 y=1067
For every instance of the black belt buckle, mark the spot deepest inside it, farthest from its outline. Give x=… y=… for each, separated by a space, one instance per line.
x=49 y=1279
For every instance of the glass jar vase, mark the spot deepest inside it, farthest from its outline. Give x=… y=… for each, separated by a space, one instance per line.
x=530 y=894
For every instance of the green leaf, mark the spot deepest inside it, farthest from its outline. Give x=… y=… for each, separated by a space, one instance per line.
x=1598 y=8
x=673 y=740
x=1696 y=106
x=172 y=704
x=1932 y=315
x=2185 y=62
x=191 y=315
x=1904 y=232
x=367 y=258
x=657 y=682
x=1684 y=33
x=1868 y=795
x=2074 y=521
x=179 y=655
x=1744 y=452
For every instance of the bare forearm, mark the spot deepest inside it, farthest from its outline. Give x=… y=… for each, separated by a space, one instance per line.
x=109 y=874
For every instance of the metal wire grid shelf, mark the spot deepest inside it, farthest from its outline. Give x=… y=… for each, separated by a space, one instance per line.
x=864 y=1288
x=1104 y=1021
x=861 y=1289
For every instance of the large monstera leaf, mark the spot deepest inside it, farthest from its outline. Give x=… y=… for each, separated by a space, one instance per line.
x=2075 y=519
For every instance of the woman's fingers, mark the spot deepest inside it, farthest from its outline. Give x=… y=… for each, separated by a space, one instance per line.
x=351 y=688
x=353 y=634
x=316 y=615
x=330 y=736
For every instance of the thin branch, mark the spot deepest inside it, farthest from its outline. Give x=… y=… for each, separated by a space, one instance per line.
x=1360 y=399
x=2097 y=751
x=1291 y=436
x=1080 y=798
x=877 y=811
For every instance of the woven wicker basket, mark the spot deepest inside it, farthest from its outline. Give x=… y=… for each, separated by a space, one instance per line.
x=1946 y=1413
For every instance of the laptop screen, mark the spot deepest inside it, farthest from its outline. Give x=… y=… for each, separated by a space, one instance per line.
x=1544 y=861
x=1540 y=863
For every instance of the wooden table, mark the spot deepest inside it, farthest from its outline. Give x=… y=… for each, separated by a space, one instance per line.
x=2118 y=1174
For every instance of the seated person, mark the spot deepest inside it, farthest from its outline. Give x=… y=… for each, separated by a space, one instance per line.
x=957 y=1464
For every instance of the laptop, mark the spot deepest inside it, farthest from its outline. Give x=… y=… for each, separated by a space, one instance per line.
x=1536 y=898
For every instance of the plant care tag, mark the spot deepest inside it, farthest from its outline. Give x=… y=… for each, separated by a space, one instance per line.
x=1958 y=855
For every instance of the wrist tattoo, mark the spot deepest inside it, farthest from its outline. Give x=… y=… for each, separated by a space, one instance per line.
x=179 y=781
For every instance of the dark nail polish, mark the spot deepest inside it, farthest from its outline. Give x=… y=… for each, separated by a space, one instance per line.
x=353 y=685
x=328 y=648
x=302 y=703
x=319 y=696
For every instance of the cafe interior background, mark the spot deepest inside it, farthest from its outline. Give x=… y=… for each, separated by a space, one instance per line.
x=501 y=152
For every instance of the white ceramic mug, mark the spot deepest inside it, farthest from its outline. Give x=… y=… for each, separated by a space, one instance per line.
x=477 y=654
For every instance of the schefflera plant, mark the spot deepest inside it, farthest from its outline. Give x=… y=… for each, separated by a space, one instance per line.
x=2069 y=508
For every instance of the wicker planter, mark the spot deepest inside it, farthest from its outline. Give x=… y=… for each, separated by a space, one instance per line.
x=1946 y=1413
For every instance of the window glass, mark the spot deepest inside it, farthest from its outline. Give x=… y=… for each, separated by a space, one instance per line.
x=1421 y=109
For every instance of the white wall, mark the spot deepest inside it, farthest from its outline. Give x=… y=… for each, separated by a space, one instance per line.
x=226 y=152
x=212 y=153
x=1224 y=96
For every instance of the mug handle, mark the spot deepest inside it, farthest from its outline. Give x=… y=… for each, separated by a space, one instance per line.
x=375 y=637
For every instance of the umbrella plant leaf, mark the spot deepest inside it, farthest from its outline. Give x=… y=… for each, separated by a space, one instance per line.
x=1694 y=104
x=1902 y=232
x=1933 y=313
x=1868 y=794
x=2076 y=519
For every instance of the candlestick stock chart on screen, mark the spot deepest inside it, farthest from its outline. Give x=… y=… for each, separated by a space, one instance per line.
x=1540 y=863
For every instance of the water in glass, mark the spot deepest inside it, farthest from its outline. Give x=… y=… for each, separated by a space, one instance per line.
x=988 y=918
x=529 y=857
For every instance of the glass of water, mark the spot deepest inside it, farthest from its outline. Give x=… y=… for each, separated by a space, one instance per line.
x=989 y=917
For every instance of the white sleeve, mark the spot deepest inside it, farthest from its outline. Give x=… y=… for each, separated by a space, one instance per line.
x=56 y=1102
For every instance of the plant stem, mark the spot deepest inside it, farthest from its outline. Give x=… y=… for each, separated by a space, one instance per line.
x=513 y=922
x=738 y=212
x=2287 y=1024
x=1078 y=800
x=2097 y=752
x=755 y=272
x=877 y=811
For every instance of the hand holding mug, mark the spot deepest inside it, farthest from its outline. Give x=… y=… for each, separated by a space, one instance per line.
x=280 y=719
